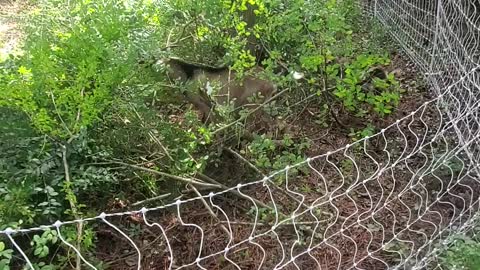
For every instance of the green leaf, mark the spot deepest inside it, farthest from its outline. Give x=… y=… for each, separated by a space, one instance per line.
x=8 y=254
x=4 y=264
x=44 y=252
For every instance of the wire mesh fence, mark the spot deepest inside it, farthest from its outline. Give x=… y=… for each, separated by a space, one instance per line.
x=388 y=201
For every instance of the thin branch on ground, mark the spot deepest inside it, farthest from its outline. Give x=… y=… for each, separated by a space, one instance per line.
x=209 y=179
x=280 y=214
x=210 y=211
x=240 y=223
x=263 y=175
x=159 y=197
x=193 y=181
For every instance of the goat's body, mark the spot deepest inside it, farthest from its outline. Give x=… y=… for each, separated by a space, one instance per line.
x=234 y=90
x=230 y=89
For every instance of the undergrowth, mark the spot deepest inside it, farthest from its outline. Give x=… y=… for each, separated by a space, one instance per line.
x=463 y=250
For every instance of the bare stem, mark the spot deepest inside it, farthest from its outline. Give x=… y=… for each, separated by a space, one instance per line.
x=192 y=181
x=159 y=197
x=210 y=211
x=73 y=206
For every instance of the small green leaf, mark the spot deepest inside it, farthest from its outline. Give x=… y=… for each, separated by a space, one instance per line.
x=4 y=264
x=44 y=252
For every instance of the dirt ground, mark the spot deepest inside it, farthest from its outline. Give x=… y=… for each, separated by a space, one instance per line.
x=10 y=11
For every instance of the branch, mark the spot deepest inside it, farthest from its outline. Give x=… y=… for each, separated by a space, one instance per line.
x=151 y=134
x=58 y=114
x=337 y=120
x=243 y=117
x=258 y=171
x=159 y=197
x=210 y=211
x=282 y=64
x=207 y=178
x=193 y=181
x=244 y=160
x=180 y=38
x=280 y=214
x=68 y=188
x=283 y=224
x=327 y=95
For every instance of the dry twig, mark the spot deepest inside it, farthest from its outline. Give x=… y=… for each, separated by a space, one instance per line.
x=193 y=181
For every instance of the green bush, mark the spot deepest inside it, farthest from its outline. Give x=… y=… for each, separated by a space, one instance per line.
x=270 y=155
x=80 y=86
x=358 y=87
x=75 y=58
x=463 y=253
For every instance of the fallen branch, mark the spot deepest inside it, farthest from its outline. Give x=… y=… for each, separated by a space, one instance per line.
x=159 y=197
x=258 y=171
x=193 y=181
x=207 y=178
x=257 y=202
x=210 y=211
x=282 y=224
x=274 y=186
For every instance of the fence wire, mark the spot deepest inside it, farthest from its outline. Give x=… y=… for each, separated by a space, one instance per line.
x=389 y=201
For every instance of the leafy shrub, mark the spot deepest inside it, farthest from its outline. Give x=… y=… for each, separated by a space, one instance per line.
x=76 y=58
x=72 y=63
x=382 y=95
x=463 y=251
x=360 y=134
x=270 y=155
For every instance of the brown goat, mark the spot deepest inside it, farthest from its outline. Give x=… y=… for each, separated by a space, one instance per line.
x=205 y=79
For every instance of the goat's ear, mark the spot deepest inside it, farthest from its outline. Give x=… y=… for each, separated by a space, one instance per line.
x=160 y=65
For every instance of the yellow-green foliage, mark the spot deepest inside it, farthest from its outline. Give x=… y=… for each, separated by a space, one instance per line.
x=75 y=57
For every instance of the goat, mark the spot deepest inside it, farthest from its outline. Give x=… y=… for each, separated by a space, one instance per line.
x=204 y=78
